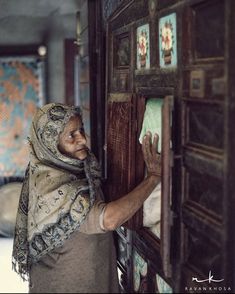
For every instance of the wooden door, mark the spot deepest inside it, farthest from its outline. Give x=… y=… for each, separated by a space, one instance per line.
x=202 y=205
x=125 y=107
x=191 y=58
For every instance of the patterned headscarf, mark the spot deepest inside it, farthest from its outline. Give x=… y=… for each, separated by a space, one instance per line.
x=57 y=193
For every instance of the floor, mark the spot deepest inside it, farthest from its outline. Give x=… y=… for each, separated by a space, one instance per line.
x=10 y=282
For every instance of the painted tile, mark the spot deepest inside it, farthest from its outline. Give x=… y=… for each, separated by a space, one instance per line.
x=168 y=41
x=143 y=47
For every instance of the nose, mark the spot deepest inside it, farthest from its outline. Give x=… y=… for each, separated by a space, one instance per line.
x=80 y=138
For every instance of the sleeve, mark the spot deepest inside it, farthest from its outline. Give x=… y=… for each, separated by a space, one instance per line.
x=93 y=223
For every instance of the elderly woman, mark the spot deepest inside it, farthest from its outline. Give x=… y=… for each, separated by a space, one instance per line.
x=63 y=235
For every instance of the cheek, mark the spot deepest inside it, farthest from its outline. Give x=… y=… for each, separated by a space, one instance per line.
x=62 y=145
x=66 y=148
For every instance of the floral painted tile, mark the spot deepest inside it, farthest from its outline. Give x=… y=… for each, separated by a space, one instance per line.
x=143 y=47
x=168 y=41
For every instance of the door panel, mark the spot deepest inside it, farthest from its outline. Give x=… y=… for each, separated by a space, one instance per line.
x=203 y=143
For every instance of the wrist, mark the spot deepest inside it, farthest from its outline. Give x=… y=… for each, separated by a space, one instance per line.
x=154 y=177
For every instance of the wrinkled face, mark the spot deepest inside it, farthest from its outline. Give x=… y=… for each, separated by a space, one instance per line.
x=72 y=141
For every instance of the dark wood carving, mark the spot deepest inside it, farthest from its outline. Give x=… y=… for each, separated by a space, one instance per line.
x=133 y=10
x=121 y=147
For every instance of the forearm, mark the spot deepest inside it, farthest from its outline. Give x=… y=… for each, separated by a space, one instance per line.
x=119 y=211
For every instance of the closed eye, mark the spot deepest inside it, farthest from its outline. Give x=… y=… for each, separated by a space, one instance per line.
x=82 y=130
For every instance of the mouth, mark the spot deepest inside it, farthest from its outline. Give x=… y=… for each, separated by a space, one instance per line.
x=82 y=149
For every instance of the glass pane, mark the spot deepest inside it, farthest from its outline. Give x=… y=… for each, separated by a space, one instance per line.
x=206 y=191
x=204 y=255
x=122 y=251
x=122 y=51
x=210 y=30
x=140 y=270
x=206 y=125
x=162 y=286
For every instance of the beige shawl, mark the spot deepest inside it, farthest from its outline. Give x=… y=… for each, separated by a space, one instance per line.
x=57 y=192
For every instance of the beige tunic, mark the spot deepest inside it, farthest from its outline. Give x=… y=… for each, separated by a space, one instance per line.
x=85 y=264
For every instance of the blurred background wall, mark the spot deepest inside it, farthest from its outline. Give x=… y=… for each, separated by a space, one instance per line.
x=46 y=22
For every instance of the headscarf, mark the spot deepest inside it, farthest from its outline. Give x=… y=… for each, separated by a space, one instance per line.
x=57 y=192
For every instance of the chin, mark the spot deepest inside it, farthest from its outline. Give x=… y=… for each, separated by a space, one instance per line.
x=81 y=156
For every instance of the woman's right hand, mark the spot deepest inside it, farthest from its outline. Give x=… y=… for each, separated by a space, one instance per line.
x=119 y=211
x=151 y=156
